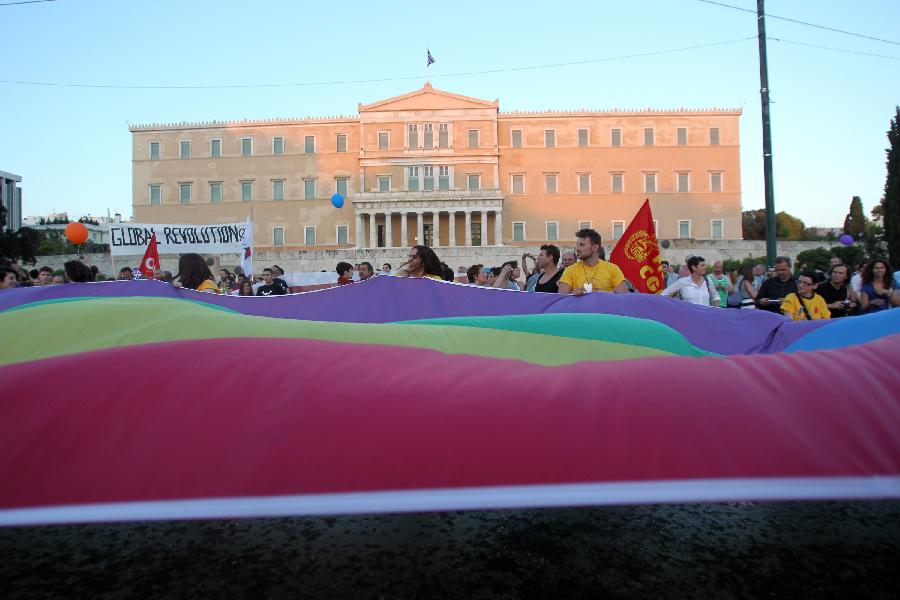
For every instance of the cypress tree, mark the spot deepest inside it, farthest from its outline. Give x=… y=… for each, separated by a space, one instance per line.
x=855 y=222
x=890 y=203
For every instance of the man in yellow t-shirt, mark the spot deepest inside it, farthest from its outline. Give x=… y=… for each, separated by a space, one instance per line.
x=590 y=274
x=806 y=303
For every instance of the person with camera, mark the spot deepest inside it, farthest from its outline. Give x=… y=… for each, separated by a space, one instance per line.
x=507 y=276
x=839 y=297
x=531 y=277
x=805 y=304
x=591 y=273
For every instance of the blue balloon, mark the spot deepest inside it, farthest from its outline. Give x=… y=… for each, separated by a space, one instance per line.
x=337 y=201
x=846 y=240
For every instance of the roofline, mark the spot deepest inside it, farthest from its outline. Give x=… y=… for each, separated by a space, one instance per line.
x=16 y=178
x=428 y=88
x=620 y=112
x=242 y=123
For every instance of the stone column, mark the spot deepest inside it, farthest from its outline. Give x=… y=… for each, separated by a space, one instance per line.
x=420 y=229
x=404 y=239
x=373 y=239
x=359 y=230
x=388 y=231
x=452 y=228
x=436 y=227
x=484 y=228
x=468 y=228
x=498 y=228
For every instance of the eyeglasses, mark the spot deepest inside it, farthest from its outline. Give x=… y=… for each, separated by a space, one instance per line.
x=806 y=283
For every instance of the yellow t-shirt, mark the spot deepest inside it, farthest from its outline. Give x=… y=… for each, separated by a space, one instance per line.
x=434 y=277
x=208 y=286
x=792 y=304
x=604 y=276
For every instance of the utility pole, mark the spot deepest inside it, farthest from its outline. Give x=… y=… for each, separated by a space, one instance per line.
x=771 y=249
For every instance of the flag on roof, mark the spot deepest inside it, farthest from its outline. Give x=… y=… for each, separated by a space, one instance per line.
x=428 y=58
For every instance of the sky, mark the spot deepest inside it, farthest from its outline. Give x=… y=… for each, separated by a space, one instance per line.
x=833 y=94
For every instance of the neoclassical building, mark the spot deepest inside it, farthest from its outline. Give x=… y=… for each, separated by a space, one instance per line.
x=443 y=169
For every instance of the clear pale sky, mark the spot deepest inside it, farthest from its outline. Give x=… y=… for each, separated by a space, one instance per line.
x=72 y=147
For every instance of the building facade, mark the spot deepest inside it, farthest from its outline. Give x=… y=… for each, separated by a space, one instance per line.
x=11 y=198
x=445 y=170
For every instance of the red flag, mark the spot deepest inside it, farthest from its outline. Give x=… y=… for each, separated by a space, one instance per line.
x=637 y=253
x=150 y=262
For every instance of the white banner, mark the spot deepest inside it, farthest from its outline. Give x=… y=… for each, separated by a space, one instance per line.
x=132 y=238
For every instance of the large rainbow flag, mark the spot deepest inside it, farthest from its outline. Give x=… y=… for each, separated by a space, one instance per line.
x=137 y=400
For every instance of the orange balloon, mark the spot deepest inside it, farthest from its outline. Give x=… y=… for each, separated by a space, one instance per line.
x=76 y=233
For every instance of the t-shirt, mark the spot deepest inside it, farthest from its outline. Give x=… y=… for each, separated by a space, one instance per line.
x=723 y=291
x=344 y=280
x=604 y=276
x=774 y=288
x=831 y=295
x=869 y=290
x=552 y=285
x=208 y=286
x=271 y=290
x=796 y=307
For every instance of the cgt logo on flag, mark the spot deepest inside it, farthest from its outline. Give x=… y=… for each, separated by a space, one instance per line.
x=637 y=253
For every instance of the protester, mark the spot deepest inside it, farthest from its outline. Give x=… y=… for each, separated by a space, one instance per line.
x=805 y=304
x=165 y=276
x=746 y=285
x=839 y=297
x=44 y=275
x=568 y=259
x=548 y=274
x=591 y=273
x=447 y=273
x=423 y=262
x=57 y=279
x=695 y=288
x=366 y=271
x=245 y=288
x=126 y=273
x=278 y=277
x=271 y=287
x=668 y=273
x=194 y=274
x=507 y=276
x=759 y=275
x=720 y=282
x=878 y=291
x=8 y=279
x=476 y=274
x=386 y=268
x=344 y=272
x=774 y=289
x=531 y=277
x=226 y=281
x=78 y=272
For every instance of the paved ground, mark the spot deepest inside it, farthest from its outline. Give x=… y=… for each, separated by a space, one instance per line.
x=802 y=550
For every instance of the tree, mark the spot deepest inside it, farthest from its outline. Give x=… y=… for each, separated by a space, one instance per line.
x=817 y=258
x=855 y=222
x=21 y=245
x=753 y=224
x=787 y=226
x=849 y=255
x=890 y=202
x=874 y=241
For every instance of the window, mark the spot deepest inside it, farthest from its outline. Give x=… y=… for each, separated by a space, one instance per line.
x=384 y=140
x=185 y=149
x=341 y=184
x=443 y=135
x=384 y=183
x=684 y=229
x=550 y=184
x=309 y=144
x=155 y=194
x=474 y=182
x=246 y=146
x=516 y=135
x=518 y=184
x=585 y=225
x=154 y=150
x=518 y=231
x=615 y=137
x=341 y=142
x=428 y=134
x=444 y=178
x=184 y=192
x=648 y=136
x=309 y=189
x=278 y=236
x=413 y=181
x=278 y=146
x=552 y=231
x=473 y=138
x=246 y=191
x=428 y=182
x=413 y=139
x=649 y=182
x=342 y=234
x=309 y=236
x=582 y=138
x=278 y=189
x=584 y=183
x=716 y=227
x=618 y=183
x=215 y=191
x=215 y=148
x=618 y=229
x=681 y=135
x=684 y=182
x=715 y=182
x=550 y=138
x=713 y=136
x=476 y=232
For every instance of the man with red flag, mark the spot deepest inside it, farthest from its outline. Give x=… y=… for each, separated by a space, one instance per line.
x=150 y=263
x=637 y=253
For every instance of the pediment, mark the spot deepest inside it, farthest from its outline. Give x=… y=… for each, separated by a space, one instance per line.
x=428 y=98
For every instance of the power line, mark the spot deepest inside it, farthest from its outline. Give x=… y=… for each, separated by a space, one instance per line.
x=25 y=2
x=799 y=22
x=774 y=39
x=379 y=80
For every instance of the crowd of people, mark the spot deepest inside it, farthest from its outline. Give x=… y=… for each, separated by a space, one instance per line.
x=806 y=294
